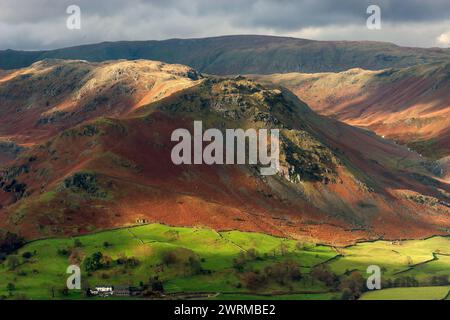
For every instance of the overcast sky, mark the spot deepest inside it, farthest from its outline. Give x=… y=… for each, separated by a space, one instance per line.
x=41 y=24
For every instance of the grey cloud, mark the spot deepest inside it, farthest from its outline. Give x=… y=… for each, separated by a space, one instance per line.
x=38 y=24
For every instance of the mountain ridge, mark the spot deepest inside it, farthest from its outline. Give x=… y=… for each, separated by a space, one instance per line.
x=240 y=54
x=410 y=105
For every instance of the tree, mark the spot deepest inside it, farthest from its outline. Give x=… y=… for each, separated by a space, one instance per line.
x=323 y=274
x=239 y=262
x=409 y=281
x=10 y=242
x=169 y=258
x=10 y=287
x=128 y=262
x=97 y=261
x=252 y=254
x=27 y=255
x=346 y=294
x=12 y=262
x=77 y=243
x=354 y=285
x=439 y=280
x=64 y=291
x=64 y=252
x=409 y=261
x=156 y=284
x=284 y=249
x=304 y=245
x=244 y=257
x=173 y=235
x=253 y=280
x=283 y=272
x=195 y=265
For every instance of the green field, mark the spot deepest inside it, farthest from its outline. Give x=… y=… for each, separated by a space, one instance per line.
x=420 y=293
x=396 y=257
x=204 y=264
x=300 y=296
x=43 y=275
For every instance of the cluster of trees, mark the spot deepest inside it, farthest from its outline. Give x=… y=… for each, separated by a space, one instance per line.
x=411 y=281
x=98 y=261
x=439 y=280
x=11 y=289
x=185 y=260
x=282 y=273
x=305 y=245
x=323 y=274
x=351 y=284
x=407 y=281
x=65 y=252
x=9 y=242
x=154 y=287
x=13 y=260
x=244 y=257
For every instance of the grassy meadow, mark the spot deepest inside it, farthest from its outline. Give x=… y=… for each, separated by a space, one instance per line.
x=203 y=263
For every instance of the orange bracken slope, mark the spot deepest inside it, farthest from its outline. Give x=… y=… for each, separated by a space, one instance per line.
x=83 y=172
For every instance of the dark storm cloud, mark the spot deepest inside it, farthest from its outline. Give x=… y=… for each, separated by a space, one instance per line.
x=35 y=24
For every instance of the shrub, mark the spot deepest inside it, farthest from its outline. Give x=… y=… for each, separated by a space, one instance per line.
x=64 y=252
x=27 y=255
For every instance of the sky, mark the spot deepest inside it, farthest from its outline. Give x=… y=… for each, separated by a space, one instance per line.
x=42 y=24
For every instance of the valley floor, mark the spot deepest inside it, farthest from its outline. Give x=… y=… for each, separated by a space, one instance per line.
x=200 y=263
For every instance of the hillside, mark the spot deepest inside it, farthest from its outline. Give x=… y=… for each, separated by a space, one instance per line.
x=243 y=54
x=86 y=173
x=51 y=95
x=410 y=105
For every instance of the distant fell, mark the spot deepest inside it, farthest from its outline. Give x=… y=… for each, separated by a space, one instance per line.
x=243 y=54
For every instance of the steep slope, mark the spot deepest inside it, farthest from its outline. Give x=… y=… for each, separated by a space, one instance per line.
x=244 y=54
x=337 y=183
x=410 y=105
